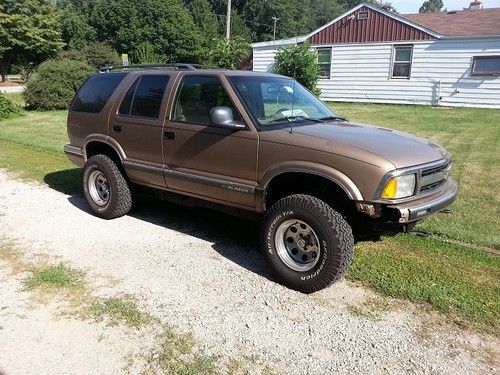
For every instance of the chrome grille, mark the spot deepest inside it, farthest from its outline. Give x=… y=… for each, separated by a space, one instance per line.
x=434 y=177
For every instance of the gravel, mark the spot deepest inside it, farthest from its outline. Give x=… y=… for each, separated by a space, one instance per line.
x=201 y=272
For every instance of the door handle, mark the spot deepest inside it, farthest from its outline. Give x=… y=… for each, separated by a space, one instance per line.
x=117 y=128
x=168 y=135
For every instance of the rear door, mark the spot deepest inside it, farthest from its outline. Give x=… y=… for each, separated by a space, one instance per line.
x=136 y=124
x=200 y=159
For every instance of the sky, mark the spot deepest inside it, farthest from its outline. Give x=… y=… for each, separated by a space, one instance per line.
x=412 y=6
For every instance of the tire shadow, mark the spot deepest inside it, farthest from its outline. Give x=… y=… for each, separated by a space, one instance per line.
x=233 y=237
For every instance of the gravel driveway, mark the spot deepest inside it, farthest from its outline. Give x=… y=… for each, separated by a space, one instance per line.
x=201 y=272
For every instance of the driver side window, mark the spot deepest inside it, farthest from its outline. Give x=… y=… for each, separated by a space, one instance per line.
x=196 y=96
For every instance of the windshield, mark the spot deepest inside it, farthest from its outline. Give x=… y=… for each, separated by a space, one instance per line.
x=279 y=100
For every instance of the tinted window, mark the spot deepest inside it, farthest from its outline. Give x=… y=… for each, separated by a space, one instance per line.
x=486 y=65
x=147 y=97
x=96 y=91
x=127 y=100
x=197 y=96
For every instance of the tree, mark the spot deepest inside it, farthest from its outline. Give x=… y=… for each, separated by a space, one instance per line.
x=206 y=21
x=299 y=62
x=431 y=6
x=29 y=31
x=76 y=30
x=229 y=53
x=165 y=24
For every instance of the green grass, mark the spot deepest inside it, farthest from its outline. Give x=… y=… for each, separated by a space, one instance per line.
x=119 y=310
x=473 y=138
x=453 y=278
x=53 y=277
x=175 y=356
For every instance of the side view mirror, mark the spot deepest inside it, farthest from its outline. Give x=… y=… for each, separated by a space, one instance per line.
x=223 y=117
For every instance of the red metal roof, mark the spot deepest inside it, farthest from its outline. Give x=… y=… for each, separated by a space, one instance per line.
x=473 y=23
x=379 y=27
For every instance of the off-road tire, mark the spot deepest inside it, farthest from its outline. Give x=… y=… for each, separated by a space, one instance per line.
x=334 y=234
x=120 y=199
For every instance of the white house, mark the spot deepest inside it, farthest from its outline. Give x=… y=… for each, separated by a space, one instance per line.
x=372 y=55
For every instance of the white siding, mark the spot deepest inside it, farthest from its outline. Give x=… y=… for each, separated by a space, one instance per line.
x=440 y=74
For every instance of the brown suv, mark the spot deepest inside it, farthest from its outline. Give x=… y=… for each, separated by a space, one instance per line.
x=258 y=142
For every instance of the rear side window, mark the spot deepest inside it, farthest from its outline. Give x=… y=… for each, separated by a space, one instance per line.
x=143 y=98
x=96 y=91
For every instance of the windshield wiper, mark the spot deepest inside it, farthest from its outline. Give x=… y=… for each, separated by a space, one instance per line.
x=291 y=118
x=332 y=118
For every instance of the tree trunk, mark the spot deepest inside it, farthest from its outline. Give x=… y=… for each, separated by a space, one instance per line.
x=4 y=67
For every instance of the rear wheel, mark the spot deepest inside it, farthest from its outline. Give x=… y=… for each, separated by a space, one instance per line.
x=105 y=188
x=308 y=244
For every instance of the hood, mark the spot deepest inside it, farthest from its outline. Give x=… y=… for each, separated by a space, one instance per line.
x=400 y=149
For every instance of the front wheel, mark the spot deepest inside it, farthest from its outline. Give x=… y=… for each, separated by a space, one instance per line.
x=105 y=188
x=308 y=244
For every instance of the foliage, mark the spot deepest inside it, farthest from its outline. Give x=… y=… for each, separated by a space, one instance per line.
x=8 y=108
x=145 y=54
x=54 y=83
x=96 y=55
x=165 y=24
x=431 y=6
x=299 y=62
x=29 y=30
x=206 y=21
x=229 y=53
x=76 y=30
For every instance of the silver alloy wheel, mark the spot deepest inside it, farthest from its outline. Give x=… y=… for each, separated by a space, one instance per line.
x=297 y=245
x=98 y=188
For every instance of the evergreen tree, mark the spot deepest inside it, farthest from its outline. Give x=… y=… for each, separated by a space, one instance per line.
x=431 y=6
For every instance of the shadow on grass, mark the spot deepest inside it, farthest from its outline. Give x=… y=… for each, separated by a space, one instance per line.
x=235 y=238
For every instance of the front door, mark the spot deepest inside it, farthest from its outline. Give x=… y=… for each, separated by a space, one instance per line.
x=136 y=124
x=202 y=160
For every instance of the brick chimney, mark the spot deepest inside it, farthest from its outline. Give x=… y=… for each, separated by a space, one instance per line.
x=475 y=5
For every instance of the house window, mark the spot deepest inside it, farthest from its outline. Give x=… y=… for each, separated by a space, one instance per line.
x=401 y=65
x=324 y=62
x=363 y=15
x=485 y=66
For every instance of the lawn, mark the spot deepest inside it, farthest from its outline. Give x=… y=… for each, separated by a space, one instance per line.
x=455 y=278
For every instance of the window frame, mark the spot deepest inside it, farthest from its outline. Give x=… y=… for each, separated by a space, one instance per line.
x=481 y=74
x=363 y=12
x=393 y=61
x=178 y=92
x=163 y=101
x=329 y=62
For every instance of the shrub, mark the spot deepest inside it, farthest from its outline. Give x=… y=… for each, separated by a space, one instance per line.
x=299 y=62
x=54 y=83
x=95 y=54
x=145 y=54
x=229 y=53
x=8 y=108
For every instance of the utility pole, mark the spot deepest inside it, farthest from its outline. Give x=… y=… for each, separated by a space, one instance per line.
x=228 y=20
x=275 y=19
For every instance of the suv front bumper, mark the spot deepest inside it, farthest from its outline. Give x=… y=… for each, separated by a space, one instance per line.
x=411 y=211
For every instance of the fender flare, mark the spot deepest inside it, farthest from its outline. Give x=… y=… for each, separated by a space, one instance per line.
x=329 y=173
x=106 y=139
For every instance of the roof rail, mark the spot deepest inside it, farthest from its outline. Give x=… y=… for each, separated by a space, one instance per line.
x=176 y=66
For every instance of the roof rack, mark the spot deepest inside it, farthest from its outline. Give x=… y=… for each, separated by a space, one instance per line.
x=176 y=66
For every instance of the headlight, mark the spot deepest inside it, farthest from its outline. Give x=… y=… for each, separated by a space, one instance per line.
x=399 y=187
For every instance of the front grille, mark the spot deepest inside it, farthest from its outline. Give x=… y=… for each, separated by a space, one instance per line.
x=432 y=178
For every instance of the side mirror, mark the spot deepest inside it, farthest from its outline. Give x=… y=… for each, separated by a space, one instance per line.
x=223 y=117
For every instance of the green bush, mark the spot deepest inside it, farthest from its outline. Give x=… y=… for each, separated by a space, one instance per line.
x=96 y=55
x=145 y=53
x=230 y=53
x=54 y=83
x=8 y=108
x=299 y=62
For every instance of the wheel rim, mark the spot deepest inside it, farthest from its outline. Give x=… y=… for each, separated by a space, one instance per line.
x=99 y=188
x=297 y=245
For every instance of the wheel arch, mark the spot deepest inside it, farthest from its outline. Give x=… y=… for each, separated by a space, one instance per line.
x=102 y=144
